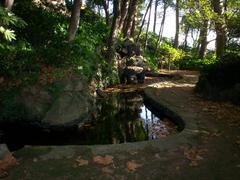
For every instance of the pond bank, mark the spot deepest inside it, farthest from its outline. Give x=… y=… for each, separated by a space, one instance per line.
x=207 y=148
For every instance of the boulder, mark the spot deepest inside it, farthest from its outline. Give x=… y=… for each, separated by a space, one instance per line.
x=133 y=70
x=68 y=109
x=36 y=100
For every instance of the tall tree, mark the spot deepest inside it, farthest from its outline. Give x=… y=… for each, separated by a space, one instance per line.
x=114 y=30
x=220 y=27
x=149 y=18
x=124 y=11
x=143 y=20
x=106 y=10
x=7 y=4
x=165 y=6
x=74 y=21
x=203 y=39
x=176 y=40
x=130 y=17
x=155 y=16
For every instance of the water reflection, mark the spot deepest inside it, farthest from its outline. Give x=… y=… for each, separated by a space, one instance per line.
x=124 y=118
x=120 y=118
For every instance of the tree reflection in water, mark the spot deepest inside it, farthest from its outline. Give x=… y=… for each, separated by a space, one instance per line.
x=123 y=117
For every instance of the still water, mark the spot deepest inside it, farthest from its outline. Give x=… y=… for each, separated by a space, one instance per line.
x=119 y=118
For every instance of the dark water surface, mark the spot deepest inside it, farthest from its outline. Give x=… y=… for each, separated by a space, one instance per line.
x=120 y=118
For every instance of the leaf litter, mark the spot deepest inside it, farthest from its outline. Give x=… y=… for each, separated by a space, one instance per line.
x=104 y=160
x=132 y=165
x=194 y=155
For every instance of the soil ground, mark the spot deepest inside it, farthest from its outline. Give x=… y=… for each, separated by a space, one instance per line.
x=207 y=149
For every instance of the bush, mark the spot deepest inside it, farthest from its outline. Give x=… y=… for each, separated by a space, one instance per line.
x=222 y=79
x=195 y=64
x=168 y=56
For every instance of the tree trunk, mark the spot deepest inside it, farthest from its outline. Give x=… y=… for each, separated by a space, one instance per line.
x=131 y=12
x=203 y=39
x=7 y=4
x=114 y=30
x=143 y=20
x=74 y=21
x=162 y=26
x=186 y=37
x=106 y=10
x=124 y=11
x=132 y=32
x=149 y=18
x=176 y=40
x=155 y=16
x=220 y=27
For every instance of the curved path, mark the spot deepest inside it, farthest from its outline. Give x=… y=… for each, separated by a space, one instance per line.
x=208 y=147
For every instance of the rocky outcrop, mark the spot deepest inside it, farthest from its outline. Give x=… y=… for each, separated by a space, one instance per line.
x=73 y=105
x=68 y=109
x=64 y=103
x=131 y=64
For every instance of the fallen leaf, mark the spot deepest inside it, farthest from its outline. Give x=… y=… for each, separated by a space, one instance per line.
x=107 y=170
x=81 y=162
x=103 y=160
x=132 y=165
x=6 y=163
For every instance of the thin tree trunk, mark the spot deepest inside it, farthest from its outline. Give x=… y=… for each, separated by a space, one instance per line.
x=131 y=12
x=143 y=20
x=106 y=10
x=220 y=27
x=74 y=21
x=149 y=18
x=7 y=4
x=186 y=36
x=132 y=32
x=176 y=40
x=124 y=11
x=203 y=39
x=161 y=27
x=114 y=30
x=155 y=16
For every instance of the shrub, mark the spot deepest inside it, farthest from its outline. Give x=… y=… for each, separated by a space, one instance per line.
x=222 y=79
x=168 y=56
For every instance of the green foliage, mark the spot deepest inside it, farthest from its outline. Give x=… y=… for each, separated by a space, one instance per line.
x=221 y=80
x=168 y=56
x=10 y=109
x=44 y=43
x=191 y=63
x=8 y=20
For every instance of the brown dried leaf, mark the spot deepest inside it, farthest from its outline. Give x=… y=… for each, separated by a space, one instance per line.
x=132 y=165
x=6 y=163
x=82 y=162
x=107 y=170
x=103 y=160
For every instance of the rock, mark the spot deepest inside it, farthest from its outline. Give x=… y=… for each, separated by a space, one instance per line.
x=36 y=100
x=76 y=84
x=132 y=79
x=133 y=70
x=69 y=108
x=3 y=151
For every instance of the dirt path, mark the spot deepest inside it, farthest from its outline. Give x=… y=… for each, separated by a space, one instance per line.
x=208 y=148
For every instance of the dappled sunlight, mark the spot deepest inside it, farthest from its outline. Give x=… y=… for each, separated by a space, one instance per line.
x=171 y=85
